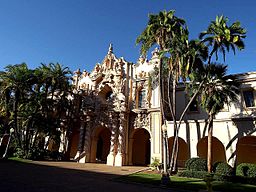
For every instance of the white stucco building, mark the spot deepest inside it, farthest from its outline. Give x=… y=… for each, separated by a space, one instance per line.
x=122 y=123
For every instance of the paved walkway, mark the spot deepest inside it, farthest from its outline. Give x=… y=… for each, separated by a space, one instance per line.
x=94 y=167
x=66 y=177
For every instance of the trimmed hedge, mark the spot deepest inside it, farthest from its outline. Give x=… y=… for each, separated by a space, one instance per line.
x=223 y=171
x=193 y=174
x=246 y=170
x=196 y=164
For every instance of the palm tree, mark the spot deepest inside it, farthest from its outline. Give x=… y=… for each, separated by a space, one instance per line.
x=185 y=57
x=178 y=58
x=161 y=29
x=56 y=87
x=217 y=90
x=222 y=37
x=17 y=80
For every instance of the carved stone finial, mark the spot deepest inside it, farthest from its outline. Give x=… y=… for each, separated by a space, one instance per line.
x=142 y=59
x=110 y=49
x=155 y=52
x=77 y=72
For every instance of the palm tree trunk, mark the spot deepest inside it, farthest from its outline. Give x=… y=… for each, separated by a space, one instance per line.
x=169 y=95
x=170 y=103
x=209 y=151
x=165 y=174
x=15 y=117
x=175 y=142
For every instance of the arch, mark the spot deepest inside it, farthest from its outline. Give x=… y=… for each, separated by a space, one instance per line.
x=74 y=143
x=218 y=149
x=183 y=153
x=246 y=150
x=105 y=91
x=100 y=144
x=140 y=147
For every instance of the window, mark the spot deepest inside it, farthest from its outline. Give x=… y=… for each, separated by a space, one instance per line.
x=109 y=96
x=193 y=106
x=142 y=99
x=248 y=98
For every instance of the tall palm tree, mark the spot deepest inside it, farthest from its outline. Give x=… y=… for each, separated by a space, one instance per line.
x=217 y=90
x=178 y=57
x=221 y=37
x=56 y=87
x=185 y=57
x=17 y=80
x=161 y=29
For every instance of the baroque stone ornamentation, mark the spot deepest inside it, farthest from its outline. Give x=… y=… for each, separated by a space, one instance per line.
x=142 y=120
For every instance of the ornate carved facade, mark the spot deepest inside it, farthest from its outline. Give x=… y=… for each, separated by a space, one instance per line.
x=120 y=120
x=116 y=103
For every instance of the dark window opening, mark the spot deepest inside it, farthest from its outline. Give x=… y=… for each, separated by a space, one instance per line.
x=248 y=98
x=109 y=95
x=194 y=106
x=142 y=99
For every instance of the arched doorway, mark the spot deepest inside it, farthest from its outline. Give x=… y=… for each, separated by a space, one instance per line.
x=100 y=145
x=218 y=149
x=183 y=153
x=74 y=143
x=141 y=147
x=246 y=150
x=103 y=145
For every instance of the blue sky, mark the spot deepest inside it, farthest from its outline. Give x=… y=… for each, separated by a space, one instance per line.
x=77 y=33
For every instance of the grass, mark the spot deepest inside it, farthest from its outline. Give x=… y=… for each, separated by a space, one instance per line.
x=19 y=159
x=189 y=184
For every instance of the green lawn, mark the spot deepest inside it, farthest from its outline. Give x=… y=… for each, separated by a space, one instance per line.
x=19 y=159
x=187 y=183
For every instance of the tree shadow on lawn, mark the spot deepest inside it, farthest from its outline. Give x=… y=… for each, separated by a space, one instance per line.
x=28 y=177
x=188 y=184
x=155 y=180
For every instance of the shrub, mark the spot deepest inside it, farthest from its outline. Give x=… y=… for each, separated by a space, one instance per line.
x=196 y=164
x=189 y=162
x=223 y=171
x=19 y=153
x=193 y=174
x=155 y=163
x=246 y=170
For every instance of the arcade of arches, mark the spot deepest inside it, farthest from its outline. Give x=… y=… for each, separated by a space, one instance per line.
x=140 y=148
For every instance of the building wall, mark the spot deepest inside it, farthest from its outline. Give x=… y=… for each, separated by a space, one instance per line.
x=126 y=82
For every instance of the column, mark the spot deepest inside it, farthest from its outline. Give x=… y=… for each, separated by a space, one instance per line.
x=81 y=141
x=86 y=141
x=112 y=152
x=119 y=160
